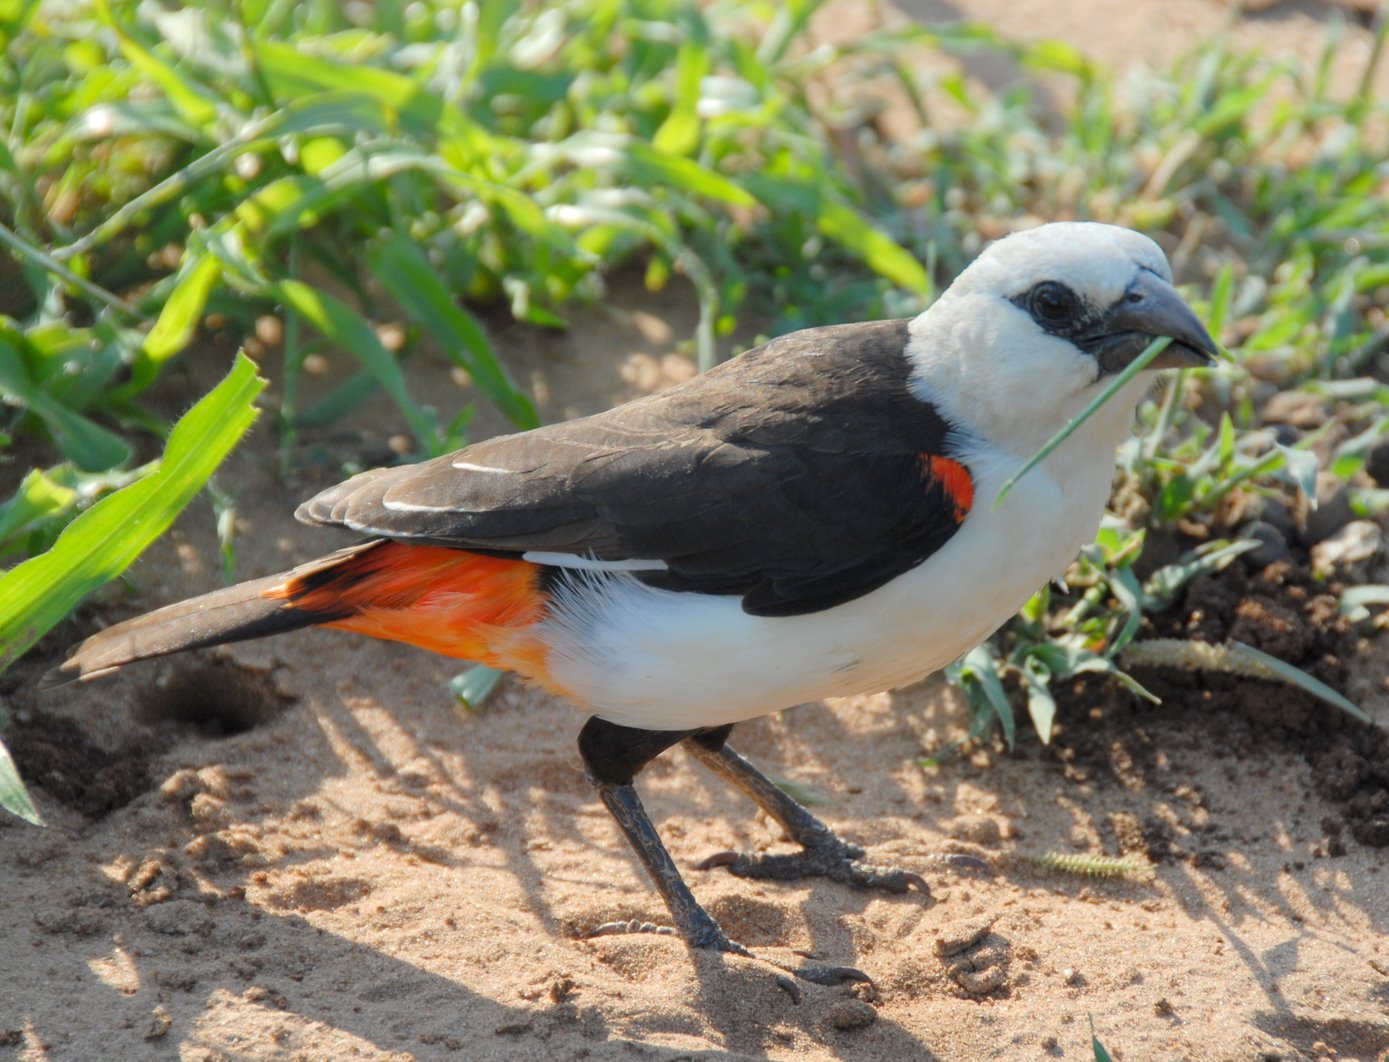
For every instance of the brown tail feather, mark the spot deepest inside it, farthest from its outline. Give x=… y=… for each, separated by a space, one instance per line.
x=237 y=613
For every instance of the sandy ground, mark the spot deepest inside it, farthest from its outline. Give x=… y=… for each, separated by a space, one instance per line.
x=298 y=849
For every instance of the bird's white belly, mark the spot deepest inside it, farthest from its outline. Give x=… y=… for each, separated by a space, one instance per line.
x=663 y=660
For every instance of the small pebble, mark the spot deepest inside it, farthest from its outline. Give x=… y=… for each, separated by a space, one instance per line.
x=1356 y=542
x=160 y=1023
x=1377 y=463
x=977 y=829
x=1273 y=547
x=1333 y=510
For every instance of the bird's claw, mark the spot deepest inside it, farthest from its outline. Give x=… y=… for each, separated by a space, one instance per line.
x=962 y=861
x=837 y=860
x=829 y=975
x=718 y=859
x=817 y=975
x=917 y=882
x=635 y=925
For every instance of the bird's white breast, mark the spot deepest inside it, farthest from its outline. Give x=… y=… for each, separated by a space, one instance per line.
x=663 y=660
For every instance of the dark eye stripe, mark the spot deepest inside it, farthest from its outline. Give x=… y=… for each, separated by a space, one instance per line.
x=1056 y=308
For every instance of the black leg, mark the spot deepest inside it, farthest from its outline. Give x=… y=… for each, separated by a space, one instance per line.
x=612 y=756
x=825 y=853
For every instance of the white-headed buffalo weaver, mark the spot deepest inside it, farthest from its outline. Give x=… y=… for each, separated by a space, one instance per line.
x=813 y=519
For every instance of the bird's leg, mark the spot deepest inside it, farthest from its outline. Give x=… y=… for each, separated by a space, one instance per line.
x=824 y=853
x=612 y=757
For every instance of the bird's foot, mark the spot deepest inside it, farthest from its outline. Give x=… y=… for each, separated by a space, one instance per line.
x=708 y=936
x=714 y=939
x=828 y=857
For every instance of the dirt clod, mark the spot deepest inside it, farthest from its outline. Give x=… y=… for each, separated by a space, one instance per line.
x=963 y=933
x=160 y=1023
x=849 y=1014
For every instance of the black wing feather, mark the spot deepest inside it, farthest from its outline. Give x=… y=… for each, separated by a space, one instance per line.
x=792 y=476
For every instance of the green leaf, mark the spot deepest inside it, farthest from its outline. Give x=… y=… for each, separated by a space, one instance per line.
x=101 y=543
x=14 y=798
x=88 y=445
x=1222 y=299
x=407 y=274
x=1164 y=583
x=1041 y=705
x=1295 y=676
x=980 y=666
x=471 y=688
x=1060 y=57
x=1097 y=1048
x=1124 y=585
x=1356 y=599
x=37 y=498
x=648 y=166
x=14 y=16
x=343 y=326
x=679 y=133
x=195 y=102
x=179 y=318
x=1301 y=467
x=880 y=251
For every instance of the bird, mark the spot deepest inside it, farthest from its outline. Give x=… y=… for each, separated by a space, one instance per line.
x=814 y=518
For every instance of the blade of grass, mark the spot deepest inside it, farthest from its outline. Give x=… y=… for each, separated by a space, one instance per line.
x=471 y=688
x=1355 y=600
x=101 y=543
x=407 y=274
x=345 y=327
x=980 y=666
x=14 y=798
x=1295 y=676
x=180 y=316
x=51 y=265
x=1151 y=351
x=87 y=444
x=38 y=497
x=1098 y=1049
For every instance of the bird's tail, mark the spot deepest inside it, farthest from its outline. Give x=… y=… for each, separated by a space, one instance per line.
x=451 y=601
x=234 y=614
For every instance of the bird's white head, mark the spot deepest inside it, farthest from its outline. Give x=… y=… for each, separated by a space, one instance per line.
x=1037 y=325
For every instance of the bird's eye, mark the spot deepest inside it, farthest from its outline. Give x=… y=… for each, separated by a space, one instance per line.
x=1053 y=302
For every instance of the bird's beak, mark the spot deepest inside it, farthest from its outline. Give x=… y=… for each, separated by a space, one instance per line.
x=1150 y=308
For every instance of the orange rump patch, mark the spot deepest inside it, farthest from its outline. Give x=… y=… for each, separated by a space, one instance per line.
x=449 y=601
x=953 y=478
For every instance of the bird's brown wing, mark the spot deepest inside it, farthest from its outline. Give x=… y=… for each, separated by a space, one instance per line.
x=799 y=476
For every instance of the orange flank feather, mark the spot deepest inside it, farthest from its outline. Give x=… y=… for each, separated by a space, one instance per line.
x=954 y=479
x=449 y=601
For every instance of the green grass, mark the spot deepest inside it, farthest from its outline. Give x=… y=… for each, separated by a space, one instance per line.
x=349 y=166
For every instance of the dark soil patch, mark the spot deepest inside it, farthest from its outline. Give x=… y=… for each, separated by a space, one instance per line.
x=215 y=694
x=208 y=696
x=1281 y=610
x=53 y=754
